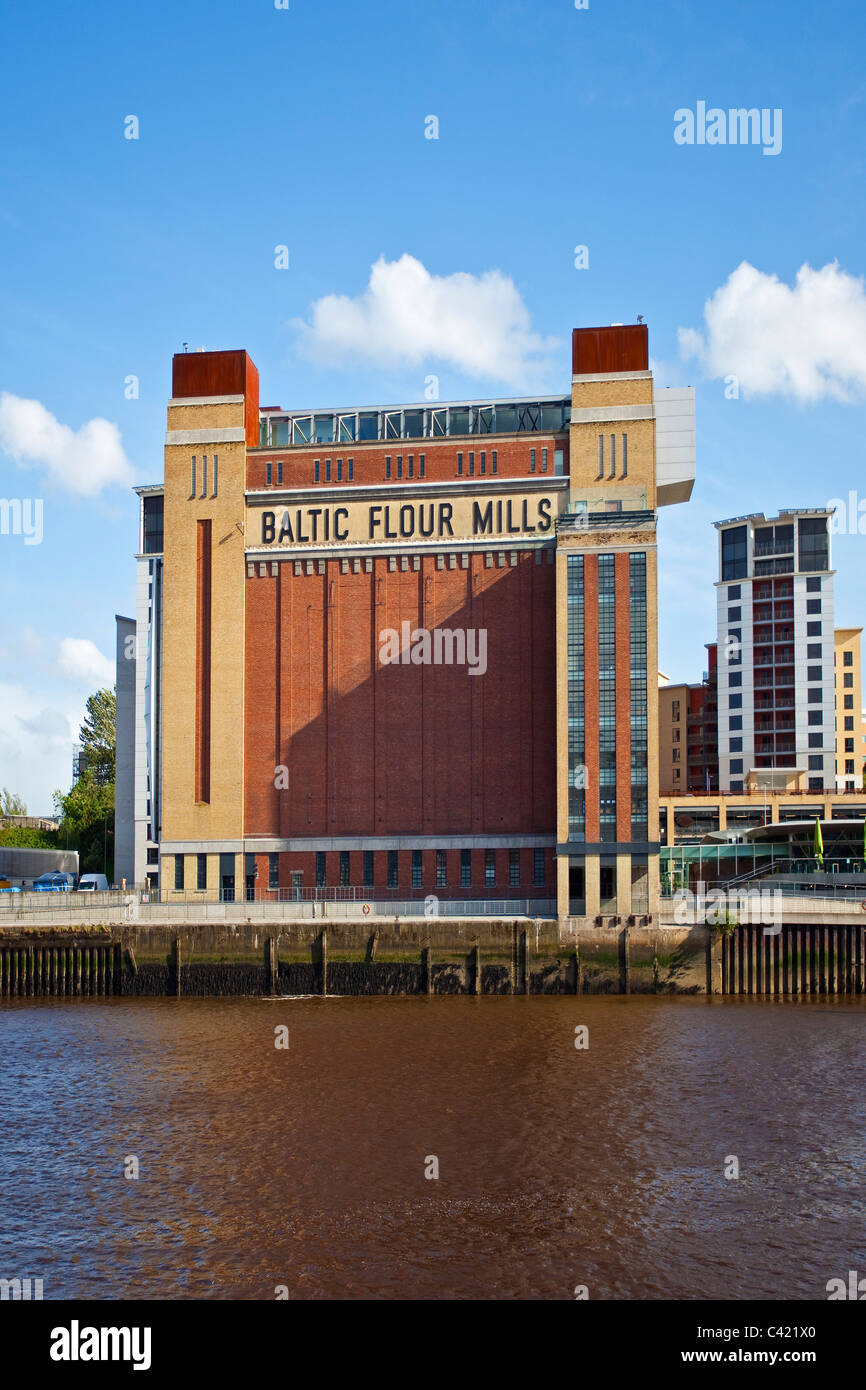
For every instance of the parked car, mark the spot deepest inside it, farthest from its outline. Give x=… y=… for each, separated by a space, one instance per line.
x=93 y=883
x=54 y=883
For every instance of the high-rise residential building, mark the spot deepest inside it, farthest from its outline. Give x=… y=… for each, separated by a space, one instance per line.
x=392 y=650
x=775 y=652
x=849 y=748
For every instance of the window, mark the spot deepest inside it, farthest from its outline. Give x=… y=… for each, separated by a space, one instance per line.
x=736 y=786
x=816 y=740
x=600 y=473
x=471 y=463
x=532 y=460
x=216 y=461
x=344 y=868
x=416 y=868
x=848 y=679
x=813 y=629
x=816 y=716
x=816 y=784
x=734 y=615
x=814 y=543
x=538 y=866
x=813 y=605
x=393 y=871
x=513 y=867
x=736 y=745
x=544 y=460
x=339 y=470
x=816 y=762
x=422 y=465
x=387 y=465
x=192 y=489
x=849 y=745
x=849 y=764
x=625 y=456
x=368 y=868
x=494 y=462
x=279 y=470
x=813 y=584
x=411 y=465
x=736 y=764
x=317 y=470
x=735 y=721
x=734 y=591
x=483 y=461
x=813 y=673
x=320 y=868
x=848 y=659
x=849 y=722
x=399 y=465
x=735 y=702
x=459 y=463
x=351 y=467
x=327 y=470
x=441 y=868
x=465 y=868
x=178 y=873
x=489 y=867
x=269 y=475
x=612 y=473
x=814 y=696
x=735 y=678
x=273 y=871
x=849 y=701
x=813 y=651
x=734 y=561
x=201 y=872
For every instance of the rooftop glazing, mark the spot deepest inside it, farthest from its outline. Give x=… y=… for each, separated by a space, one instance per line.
x=545 y=414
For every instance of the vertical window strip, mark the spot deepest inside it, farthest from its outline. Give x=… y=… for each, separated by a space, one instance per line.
x=638 y=699
x=204 y=475
x=192 y=489
x=607 y=697
x=612 y=473
x=625 y=456
x=600 y=473
x=576 y=702
x=216 y=461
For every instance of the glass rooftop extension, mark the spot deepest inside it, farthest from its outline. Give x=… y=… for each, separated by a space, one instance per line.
x=547 y=415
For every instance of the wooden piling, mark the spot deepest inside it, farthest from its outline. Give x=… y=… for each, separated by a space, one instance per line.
x=427 y=969
x=476 y=968
x=524 y=961
x=178 y=961
x=575 y=965
x=625 y=962
x=372 y=945
x=323 y=978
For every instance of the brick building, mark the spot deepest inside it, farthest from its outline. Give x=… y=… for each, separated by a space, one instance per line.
x=404 y=650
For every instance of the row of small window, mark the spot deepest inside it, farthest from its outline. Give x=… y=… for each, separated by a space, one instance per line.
x=319 y=473
x=393 y=869
x=494 y=462
x=612 y=457
x=816 y=764
x=417 y=868
x=410 y=465
x=202 y=474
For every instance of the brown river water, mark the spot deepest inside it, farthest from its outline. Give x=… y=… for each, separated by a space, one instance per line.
x=305 y=1167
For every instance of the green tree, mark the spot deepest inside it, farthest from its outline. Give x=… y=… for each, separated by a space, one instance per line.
x=86 y=813
x=11 y=804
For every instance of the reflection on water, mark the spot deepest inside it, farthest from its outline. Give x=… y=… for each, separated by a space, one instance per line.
x=558 y=1167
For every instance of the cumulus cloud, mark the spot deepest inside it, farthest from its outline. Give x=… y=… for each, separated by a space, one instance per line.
x=806 y=341
x=82 y=461
x=407 y=317
x=36 y=743
x=81 y=661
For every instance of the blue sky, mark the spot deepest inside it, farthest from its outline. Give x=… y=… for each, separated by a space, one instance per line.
x=305 y=127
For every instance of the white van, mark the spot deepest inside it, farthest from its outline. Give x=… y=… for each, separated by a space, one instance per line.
x=93 y=883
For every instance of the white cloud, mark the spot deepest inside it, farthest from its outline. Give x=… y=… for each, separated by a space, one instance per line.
x=407 y=317
x=83 y=461
x=81 y=662
x=36 y=744
x=806 y=341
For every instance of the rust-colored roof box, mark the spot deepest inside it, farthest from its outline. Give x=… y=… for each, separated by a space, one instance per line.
x=622 y=347
x=231 y=373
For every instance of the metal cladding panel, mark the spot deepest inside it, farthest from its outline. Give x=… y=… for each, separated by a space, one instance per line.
x=231 y=373
x=675 y=442
x=619 y=348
